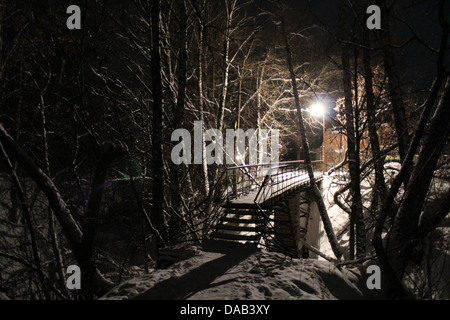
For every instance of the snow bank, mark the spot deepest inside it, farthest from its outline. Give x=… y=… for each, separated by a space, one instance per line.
x=243 y=273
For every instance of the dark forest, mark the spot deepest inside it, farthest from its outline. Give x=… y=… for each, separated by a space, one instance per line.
x=88 y=117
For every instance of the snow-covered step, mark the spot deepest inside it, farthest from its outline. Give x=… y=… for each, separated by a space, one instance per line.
x=237 y=237
x=239 y=220
x=236 y=228
x=242 y=212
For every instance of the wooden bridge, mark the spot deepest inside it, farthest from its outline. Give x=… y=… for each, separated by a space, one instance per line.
x=266 y=204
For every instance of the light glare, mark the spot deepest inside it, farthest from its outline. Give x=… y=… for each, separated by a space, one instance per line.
x=317 y=109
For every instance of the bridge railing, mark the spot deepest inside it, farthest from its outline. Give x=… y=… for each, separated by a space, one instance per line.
x=283 y=177
x=267 y=179
x=241 y=180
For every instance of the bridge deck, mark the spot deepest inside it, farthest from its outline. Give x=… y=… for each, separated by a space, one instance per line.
x=289 y=181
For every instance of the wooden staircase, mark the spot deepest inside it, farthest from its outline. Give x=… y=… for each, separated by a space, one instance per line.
x=251 y=204
x=237 y=224
x=245 y=223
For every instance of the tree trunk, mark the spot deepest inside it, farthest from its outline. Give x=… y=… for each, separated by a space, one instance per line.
x=352 y=133
x=46 y=185
x=201 y=108
x=51 y=218
x=259 y=83
x=315 y=190
x=380 y=189
x=394 y=84
x=178 y=117
x=357 y=206
x=91 y=218
x=227 y=64
x=404 y=231
x=157 y=124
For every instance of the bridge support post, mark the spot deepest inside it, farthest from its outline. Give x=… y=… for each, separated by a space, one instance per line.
x=305 y=219
x=313 y=232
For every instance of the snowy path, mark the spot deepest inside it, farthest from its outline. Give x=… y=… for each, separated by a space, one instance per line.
x=241 y=273
x=225 y=256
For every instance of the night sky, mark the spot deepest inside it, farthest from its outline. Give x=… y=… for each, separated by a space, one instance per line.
x=419 y=16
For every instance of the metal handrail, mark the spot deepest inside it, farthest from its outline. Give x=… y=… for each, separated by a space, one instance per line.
x=288 y=167
x=232 y=183
x=265 y=193
x=269 y=164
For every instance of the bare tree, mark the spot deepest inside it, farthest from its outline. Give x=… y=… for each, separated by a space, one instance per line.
x=157 y=122
x=316 y=192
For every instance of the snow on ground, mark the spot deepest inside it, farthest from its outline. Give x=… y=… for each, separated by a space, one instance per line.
x=241 y=272
x=224 y=270
x=339 y=219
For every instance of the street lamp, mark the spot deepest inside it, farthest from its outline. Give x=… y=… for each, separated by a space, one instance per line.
x=318 y=109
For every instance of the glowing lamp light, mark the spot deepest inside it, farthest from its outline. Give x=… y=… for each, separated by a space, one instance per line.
x=317 y=109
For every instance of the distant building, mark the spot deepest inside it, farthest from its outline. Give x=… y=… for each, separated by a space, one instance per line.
x=336 y=143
